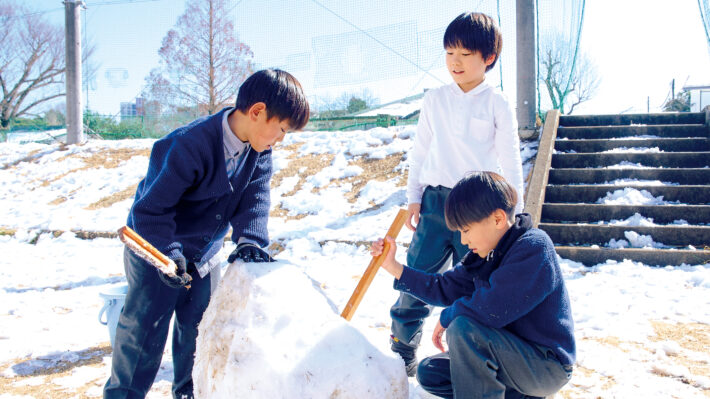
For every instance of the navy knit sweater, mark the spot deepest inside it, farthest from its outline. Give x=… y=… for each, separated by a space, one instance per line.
x=519 y=288
x=186 y=202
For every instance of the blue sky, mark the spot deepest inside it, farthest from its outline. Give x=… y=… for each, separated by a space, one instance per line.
x=638 y=46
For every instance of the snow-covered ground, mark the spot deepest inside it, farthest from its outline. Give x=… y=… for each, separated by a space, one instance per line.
x=642 y=332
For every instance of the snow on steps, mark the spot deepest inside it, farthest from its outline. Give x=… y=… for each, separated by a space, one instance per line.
x=573 y=194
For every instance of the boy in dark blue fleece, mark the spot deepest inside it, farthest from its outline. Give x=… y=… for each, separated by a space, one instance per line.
x=507 y=320
x=201 y=179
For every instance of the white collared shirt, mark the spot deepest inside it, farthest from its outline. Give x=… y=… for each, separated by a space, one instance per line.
x=234 y=149
x=462 y=132
x=234 y=154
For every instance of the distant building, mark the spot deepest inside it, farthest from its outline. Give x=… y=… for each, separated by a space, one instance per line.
x=132 y=110
x=699 y=96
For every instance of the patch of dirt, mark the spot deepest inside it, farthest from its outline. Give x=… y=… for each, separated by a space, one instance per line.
x=279 y=212
x=617 y=343
x=82 y=234
x=106 y=158
x=34 y=155
x=606 y=381
x=7 y=231
x=303 y=166
x=63 y=198
x=373 y=169
x=690 y=336
x=92 y=357
x=113 y=198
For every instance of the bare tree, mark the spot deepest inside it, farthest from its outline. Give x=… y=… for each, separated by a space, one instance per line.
x=202 y=63
x=568 y=81
x=31 y=61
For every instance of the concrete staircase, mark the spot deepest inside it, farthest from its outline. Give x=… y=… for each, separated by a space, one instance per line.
x=578 y=176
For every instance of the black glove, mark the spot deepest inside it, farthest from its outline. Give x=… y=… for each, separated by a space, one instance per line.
x=181 y=277
x=248 y=252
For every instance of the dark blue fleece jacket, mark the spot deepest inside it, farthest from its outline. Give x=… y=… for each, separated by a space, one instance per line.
x=519 y=288
x=186 y=202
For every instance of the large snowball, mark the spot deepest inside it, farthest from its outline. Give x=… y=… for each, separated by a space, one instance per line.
x=270 y=333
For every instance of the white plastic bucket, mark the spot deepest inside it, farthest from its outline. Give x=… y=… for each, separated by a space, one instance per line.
x=114 y=298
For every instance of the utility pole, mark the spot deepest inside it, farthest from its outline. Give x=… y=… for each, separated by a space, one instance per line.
x=673 y=89
x=72 y=31
x=527 y=67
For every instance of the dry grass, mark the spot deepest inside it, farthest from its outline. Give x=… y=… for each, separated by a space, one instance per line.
x=33 y=156
x=92 y=357
x=373 y=170
x=304 y=166
x=108 y=158
x=113 y=198
x=7 y=231
x=63 y=198
x=693 y=337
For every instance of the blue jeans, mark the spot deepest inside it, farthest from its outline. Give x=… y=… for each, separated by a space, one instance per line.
x=143 y=330
x=431 y=246
x=485 y=362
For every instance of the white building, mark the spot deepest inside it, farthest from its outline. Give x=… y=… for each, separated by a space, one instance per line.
x=699 y=96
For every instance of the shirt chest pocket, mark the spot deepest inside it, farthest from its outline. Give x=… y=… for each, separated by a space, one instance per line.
x=480 y=130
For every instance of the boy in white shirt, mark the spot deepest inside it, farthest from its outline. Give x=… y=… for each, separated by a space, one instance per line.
x=464 y=126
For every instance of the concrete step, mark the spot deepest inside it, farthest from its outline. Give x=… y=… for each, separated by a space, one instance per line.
x=652 y=257
x=697 y=176
x=602 y=132
x=601 y=234
x=663 y=144
x=664 y=118
x=655 y=159
x=590 y=213
x=692 y=195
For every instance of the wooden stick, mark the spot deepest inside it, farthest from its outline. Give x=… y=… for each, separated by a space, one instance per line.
x=372 y=268
x=146 y=251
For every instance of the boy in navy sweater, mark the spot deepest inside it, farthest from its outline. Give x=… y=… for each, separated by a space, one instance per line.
x=507 y=320
x=201 y=179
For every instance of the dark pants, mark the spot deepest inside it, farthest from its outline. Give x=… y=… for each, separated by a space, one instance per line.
x=431 y=246
x=485 y=362
x=143 y=330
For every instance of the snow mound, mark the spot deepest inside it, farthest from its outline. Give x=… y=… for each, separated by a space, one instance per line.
x=251 y=342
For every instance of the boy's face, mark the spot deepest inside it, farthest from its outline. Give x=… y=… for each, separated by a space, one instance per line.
x=467 y=68
x=482 y=237
x=266 y=132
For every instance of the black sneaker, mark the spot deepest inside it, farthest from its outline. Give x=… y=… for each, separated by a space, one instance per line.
x=408 y=353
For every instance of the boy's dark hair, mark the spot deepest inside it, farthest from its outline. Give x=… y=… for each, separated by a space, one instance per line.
x=475 y=31
x=281 y=93
x=477 y=196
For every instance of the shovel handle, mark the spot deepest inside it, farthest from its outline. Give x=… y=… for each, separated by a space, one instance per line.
x=146 y=251
x=372 y=268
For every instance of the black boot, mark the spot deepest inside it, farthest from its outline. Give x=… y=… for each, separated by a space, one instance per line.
x=408 y=354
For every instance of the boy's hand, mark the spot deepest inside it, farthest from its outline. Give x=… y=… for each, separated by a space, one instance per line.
x=181 y=278
x=438 y=334
x=248 y=252
x=414 y=211
x=392 y=266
